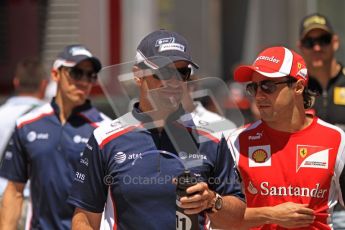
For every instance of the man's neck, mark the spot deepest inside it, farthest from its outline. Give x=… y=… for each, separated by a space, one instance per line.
x=292 y=121
x=292 y=127
x=325 y=73
x=65 y=108
x=33 y=95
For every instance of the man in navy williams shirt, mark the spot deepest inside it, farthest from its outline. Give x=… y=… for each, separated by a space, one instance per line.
x=131 y=161
x=48 y=142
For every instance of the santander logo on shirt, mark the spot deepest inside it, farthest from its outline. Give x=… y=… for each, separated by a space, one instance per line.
x=266 y=189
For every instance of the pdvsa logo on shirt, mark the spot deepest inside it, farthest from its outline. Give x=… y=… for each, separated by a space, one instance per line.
x=32 y=136
x=308 y=156
x=197 y=156
x=79 y=139
x=259 y=156
x=183 y=155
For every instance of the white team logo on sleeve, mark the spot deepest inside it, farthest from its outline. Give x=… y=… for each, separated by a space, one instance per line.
x=259 y=156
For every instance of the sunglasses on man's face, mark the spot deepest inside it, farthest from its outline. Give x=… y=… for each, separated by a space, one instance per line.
x=323 y=40
x=82 y=75
x=166 y=73
x=266 y=86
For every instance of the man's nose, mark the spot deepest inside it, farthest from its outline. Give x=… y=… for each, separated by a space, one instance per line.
x=260 y=93
x=316 y=47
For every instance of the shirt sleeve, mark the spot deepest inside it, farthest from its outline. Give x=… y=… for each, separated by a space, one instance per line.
x=340 y=170
x=227 y=178
x=342 y=187
x=89 y=189
x=14 y=163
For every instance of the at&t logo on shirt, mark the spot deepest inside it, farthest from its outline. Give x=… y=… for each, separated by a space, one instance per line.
x=32 y=136
x=120 y=157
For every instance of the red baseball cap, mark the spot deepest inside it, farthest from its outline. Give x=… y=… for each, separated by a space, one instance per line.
x=274 y=62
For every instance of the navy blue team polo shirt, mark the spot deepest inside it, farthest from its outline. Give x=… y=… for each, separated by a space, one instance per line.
x=131 y=165
x=47 y=152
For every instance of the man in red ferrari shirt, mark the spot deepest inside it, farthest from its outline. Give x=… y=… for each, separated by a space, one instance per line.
x=292 y=163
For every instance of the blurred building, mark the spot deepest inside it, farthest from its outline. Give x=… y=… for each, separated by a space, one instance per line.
x=222 y=33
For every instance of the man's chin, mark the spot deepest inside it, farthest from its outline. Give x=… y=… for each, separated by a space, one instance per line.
x=78 y=100
x=317 y=64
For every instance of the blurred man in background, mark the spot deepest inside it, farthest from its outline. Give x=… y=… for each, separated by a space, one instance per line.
x=30 y=81
x=318 y=44
x=47 y=144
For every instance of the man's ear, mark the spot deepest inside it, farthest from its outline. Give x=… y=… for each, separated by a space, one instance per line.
x=54 y=74
x=300 y=86
x=335 y=42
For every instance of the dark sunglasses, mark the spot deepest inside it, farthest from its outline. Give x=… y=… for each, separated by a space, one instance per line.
x=79 y=75
x=166 y=73
x=266 y=86
x=323 y=40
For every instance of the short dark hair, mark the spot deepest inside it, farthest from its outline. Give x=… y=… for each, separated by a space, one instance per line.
x=30 y=73
x=308 y=95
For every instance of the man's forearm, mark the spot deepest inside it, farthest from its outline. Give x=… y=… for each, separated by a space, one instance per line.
x=256 y=217
x=287 y=215
x=11 y=207
x=231 y=214
x=83 y=219
x=80 y=222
